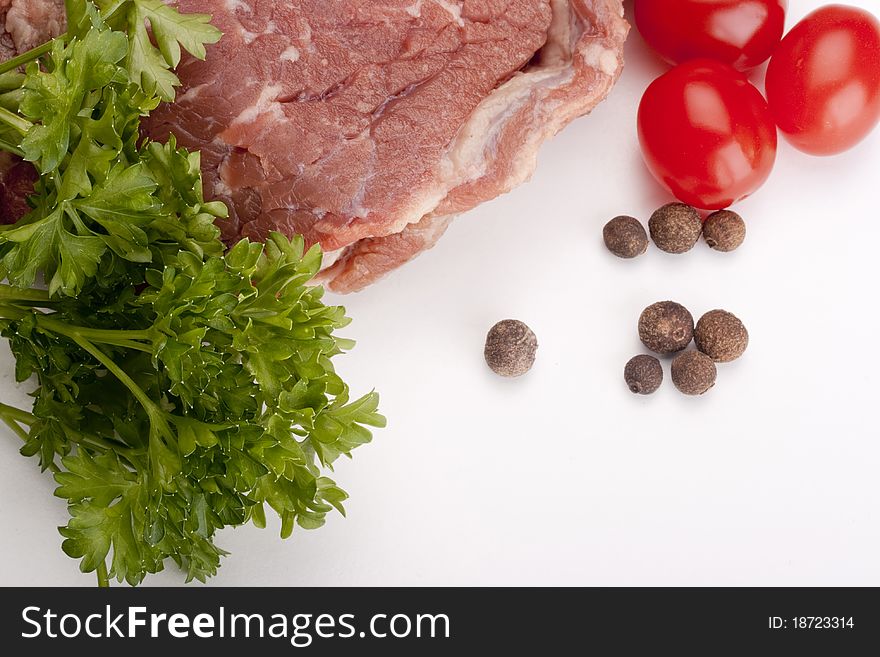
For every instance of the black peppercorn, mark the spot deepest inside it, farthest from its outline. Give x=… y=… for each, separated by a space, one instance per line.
x=643 y=374
x=625 y=237
x=511 y=347
x=675 y=227
x=693 y=372
x=666 y=327
x=724 y=230
x=721 y=336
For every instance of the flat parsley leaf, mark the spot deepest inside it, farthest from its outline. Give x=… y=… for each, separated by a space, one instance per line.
x=54 y=99
x=152 y=67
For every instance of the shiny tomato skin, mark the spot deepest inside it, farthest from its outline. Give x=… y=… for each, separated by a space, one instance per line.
x=823 y=83
x=706 y=134
x=742 y=33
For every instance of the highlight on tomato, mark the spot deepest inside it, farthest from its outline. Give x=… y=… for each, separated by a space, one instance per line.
x=823 y=82
x=742 y=33
x=706 y=134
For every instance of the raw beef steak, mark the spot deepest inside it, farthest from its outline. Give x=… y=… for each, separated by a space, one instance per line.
x=366 y=125
x=24 y=24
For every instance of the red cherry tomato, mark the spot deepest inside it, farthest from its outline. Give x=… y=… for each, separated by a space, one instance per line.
x=706 y=134
x=742 y=33
x=823 y=83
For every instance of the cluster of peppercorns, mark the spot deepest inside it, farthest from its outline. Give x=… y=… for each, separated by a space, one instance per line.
x=675 y=228
x=668 y=328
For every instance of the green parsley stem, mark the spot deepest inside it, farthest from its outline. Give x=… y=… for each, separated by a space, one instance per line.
x=8 y=311
x=84 y=336
x=101 y=572
x=31 y=296
x=97 y=335
x=15 y=417
x=25 y=57
x=110 y=337
x=17 y=414
x=15 y=426
x=15 y=121
x=10 y=148
x=97 y=442
x=11 y=416
x=151 y=408
x=153 y=411
x=127 y=344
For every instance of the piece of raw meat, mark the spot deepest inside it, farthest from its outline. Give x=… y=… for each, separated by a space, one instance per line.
x=24 y=24
x=368 y=125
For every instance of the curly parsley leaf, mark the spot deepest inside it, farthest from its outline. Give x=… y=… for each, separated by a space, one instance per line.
x=181 y=388
x=217 y=399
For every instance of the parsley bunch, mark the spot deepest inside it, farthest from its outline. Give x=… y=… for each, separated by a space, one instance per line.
x=181 y=388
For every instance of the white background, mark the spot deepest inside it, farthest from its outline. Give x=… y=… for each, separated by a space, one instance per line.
x=564 y=477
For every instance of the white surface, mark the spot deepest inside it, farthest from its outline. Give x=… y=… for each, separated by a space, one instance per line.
x=564 y=477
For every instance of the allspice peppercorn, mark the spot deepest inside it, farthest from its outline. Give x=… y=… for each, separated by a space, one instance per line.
x=625 y=237
x=721 y=336
x=511 y=347
x=724 y=230
x=666 y=327
x=675 y=227
x=693 y=372
x=643 y=374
